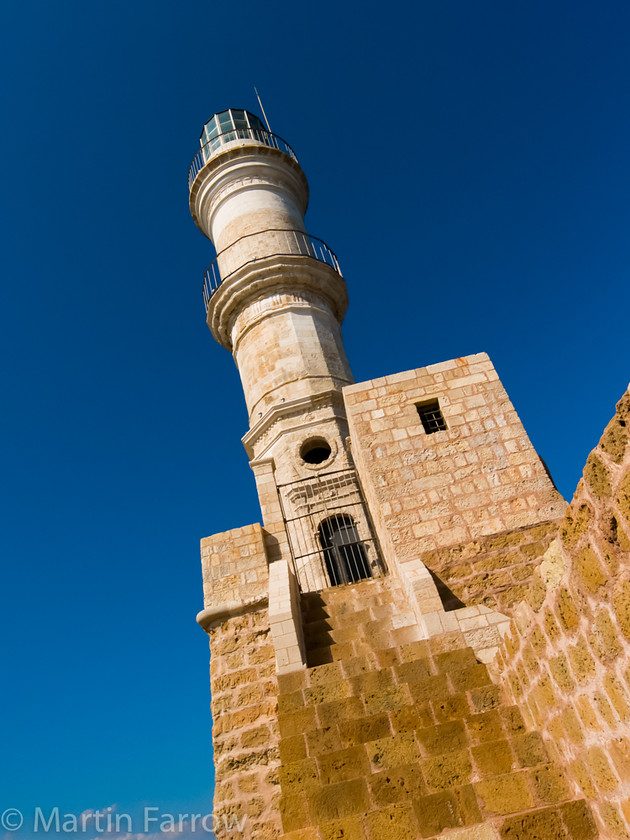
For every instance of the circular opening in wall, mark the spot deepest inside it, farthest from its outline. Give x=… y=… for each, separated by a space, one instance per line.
x=315 y=451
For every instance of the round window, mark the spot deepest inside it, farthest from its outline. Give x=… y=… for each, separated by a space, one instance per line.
x=315 y=451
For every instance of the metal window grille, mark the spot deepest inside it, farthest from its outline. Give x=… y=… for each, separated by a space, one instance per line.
x=431 y=417
x=330 y=533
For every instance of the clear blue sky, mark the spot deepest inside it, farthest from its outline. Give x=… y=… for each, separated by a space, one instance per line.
x=469 y=165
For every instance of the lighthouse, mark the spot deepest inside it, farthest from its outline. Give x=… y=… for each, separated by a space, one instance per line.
x=402 y=522
x=275 y=298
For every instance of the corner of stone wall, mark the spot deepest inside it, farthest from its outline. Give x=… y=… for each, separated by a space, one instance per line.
x=243 y=681
x=234 y=569
x=566 y=659
x=245 y=731
x=472 y=503
x=286 y=618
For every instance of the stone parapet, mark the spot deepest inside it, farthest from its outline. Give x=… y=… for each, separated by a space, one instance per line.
x=566 y=660
x=494 y=571
x=235 y=570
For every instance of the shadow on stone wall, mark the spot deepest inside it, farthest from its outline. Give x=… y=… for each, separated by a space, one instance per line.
x=566 y=660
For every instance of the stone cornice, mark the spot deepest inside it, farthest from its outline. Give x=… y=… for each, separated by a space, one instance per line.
x=295 y=408
x=268 y=275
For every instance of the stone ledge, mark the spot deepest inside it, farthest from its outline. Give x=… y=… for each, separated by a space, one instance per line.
x=211 y=616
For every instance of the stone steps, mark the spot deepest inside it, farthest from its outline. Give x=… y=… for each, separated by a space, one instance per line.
x=355 y=620
x=396 y=738
x=371 y=592
x=421 y=747
x=326 y=632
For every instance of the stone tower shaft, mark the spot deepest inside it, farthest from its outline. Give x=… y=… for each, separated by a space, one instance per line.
x=275 y=296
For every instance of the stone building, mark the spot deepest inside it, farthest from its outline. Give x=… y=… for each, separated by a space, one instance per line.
x=420 y=640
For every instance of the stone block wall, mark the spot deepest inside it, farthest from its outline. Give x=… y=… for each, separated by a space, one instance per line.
x=446 y=496
x=245 y=727
x=399 y=740
x=492 y=571
x=399 y=730
x=234 y=568
x=243 y=682
x=566 y=661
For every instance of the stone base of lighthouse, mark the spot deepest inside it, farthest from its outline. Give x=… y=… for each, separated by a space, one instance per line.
x=478 y=686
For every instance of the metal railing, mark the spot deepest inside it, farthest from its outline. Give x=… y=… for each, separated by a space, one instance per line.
x=330 y=532
x=284 y=243
x=213 y=146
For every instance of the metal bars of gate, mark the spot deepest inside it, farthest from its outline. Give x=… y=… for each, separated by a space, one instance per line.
x=329 y=529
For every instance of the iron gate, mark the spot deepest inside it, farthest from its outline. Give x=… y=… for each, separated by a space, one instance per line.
x=330 y=533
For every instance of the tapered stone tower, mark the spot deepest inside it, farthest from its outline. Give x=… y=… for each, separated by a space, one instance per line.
x=275 y=298
x=356 y=633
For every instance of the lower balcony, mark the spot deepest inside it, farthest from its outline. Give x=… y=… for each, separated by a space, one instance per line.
x=263 y=245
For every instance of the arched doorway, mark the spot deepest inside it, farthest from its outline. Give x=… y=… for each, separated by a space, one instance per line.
x=344 y=553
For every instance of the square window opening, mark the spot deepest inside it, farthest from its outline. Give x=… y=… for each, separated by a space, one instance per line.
x=431 y=416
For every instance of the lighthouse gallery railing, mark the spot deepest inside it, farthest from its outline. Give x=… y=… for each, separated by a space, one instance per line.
x=214 y=145
x=285 y=243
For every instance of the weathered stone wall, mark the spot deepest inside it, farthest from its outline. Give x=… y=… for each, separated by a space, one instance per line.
x=405 y=739
x=243 y=682
x=234 y=567
x=494 y=571
x=432 y=494
x=245 y=727
x=400 y=740
x=566 y=661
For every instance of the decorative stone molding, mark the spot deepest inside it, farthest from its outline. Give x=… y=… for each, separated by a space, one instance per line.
x=276 y=275
x=270 y=427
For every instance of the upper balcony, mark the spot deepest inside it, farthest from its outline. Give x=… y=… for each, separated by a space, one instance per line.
x=232 y=128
